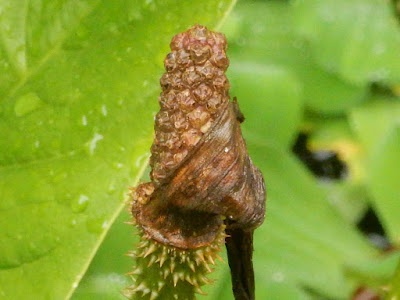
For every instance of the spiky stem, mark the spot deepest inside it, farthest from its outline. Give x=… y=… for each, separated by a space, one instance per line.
x=165 y=272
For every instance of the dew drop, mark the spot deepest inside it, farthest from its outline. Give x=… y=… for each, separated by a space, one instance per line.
x=37 y=144
x=104 y=110
x=104 y=225
x=80 y=203
x=84 y=120
x=92 y=144
x=26 y=104
x=95 y=225
x=118 y=165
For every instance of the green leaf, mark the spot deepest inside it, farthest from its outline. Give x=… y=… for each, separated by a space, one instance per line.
x=78 y=90
x=377 y=272
x=296 y=244
x=106 y=277
x=348 y=195
x=275 y=103
x=377 y=126
x=394 y=292
x=264 y=33
x=358 y=39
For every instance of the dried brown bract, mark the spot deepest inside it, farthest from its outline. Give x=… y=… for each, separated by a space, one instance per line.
x=201 y=171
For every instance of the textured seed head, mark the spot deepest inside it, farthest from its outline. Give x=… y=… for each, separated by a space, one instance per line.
x=214 y=101
x=179 y=121
x=183 y=58
x=191 y=77
x=207 y=70
x=203 y=93
x=190 y=188
x=194 y=86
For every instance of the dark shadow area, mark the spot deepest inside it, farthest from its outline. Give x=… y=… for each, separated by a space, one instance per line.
x=327 y=166
x=323 y=164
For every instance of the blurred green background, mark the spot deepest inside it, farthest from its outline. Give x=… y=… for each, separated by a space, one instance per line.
x=318 y=82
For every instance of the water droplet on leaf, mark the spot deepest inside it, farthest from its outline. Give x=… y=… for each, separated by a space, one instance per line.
x=118 y=165
x=95 y=225
x=84 y=120
x=80 y=203
x=104 y=110
x=92 y=144
x=104 y=225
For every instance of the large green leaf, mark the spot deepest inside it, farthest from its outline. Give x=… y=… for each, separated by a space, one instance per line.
x=264 y=33
x=349 y=195
x=78 y=90
x=377 y=126
x=358 y=39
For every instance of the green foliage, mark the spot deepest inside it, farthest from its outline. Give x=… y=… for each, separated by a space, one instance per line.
x=78 y=89
x=358 y=39
x=394 y=292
